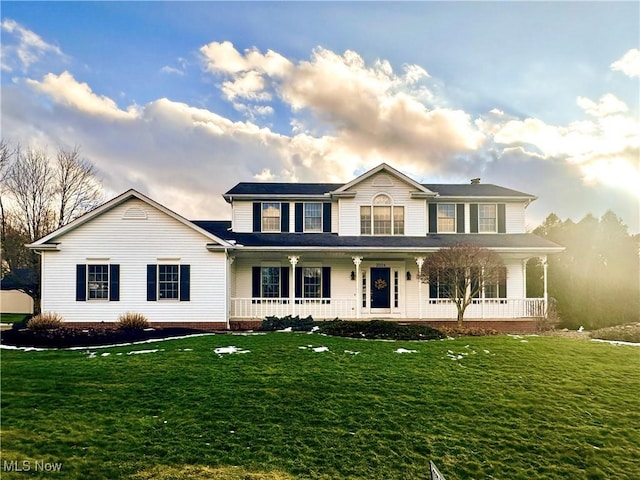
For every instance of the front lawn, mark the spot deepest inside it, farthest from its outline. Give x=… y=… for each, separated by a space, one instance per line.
x=280 y=406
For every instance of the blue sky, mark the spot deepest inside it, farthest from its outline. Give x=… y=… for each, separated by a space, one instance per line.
x=181 y=100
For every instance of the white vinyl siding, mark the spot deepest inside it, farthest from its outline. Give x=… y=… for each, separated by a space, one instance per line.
x=242 y=217
x=514 y=218
x=133 y=244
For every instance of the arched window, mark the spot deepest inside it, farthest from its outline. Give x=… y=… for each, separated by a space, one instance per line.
x=382 y=217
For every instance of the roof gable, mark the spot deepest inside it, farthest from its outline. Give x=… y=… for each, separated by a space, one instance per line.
x=113 y=203
x=383 y=167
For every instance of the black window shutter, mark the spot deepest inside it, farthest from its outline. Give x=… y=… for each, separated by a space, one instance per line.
x=284 y=217
x=460 y=217
x=326 y=282
x=185 y=283
x=284 y=282
x=433 y=218
x=298 y=280
x=502 y=227
x=255 y=281
x=326 y=217
x=502 y=284
x=473 y=217
x=433 y=285
x=257 y=217
x=114 y=283
x=152 y=272
x=299 y=217
x=81 y=283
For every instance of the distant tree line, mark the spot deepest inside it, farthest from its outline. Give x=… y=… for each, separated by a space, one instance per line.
x=38 y=194
x=595 y=282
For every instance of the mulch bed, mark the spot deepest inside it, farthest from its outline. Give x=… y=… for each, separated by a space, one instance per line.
x=66 y=337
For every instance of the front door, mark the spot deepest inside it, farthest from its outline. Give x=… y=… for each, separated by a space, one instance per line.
x=380 y=288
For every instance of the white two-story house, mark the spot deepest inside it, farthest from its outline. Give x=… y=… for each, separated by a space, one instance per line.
x=349 y=251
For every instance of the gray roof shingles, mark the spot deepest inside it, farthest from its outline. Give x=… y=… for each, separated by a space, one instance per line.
x=447 y=190
x=331 y=240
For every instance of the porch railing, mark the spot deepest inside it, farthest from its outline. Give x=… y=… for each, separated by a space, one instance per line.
x=318 y=308
x=329 y=308
x=488 y=308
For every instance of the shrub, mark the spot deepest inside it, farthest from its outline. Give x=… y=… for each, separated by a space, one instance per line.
x=620 y=333
x=271 y=324
x=45 y=321
x=132 y=321
x=379 y=329
x=468 y=331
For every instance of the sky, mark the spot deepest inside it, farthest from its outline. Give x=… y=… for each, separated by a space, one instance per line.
x=182 y=100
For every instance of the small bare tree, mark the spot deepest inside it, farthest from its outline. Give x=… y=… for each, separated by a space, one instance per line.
x=461 y=272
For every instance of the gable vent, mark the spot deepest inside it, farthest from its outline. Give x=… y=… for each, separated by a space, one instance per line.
x=475 y=181
x=134 y=213
x=382 y=181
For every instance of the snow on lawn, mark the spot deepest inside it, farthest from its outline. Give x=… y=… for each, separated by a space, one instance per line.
x=315 y=349
x=404 y=350
x=616 y=342
x=142 y=352
x=229 y=350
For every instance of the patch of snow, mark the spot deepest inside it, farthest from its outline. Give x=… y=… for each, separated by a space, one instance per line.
x=315 y=329
x=616 y=342
x=228 y=350
x=581 y=329
x=105 y=354
x=286 y=330
x=185 y=349
x=142 y=352
x=486 y=351
x=404 y=350
x=350 y=352
x=91 y=354
x=514 y=336
x=320 y=349
x=149 y=329
x=524 y=341
x=24 y=349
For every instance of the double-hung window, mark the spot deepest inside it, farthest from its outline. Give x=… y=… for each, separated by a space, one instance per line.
x=168 y=282
x=271 y=217
x=446 y=218
x=487 y=218
x=312 y=282
x=270 y=282
x=313 y=217
x=98 y=282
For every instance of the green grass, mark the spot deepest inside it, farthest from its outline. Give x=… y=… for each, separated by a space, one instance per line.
x=530 y=408
x=13 y=317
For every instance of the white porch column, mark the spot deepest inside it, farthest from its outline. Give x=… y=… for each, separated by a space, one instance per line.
x=546 y=293
x=420 y=263
x=524 y=277
x=357 y=261
x=293 y=260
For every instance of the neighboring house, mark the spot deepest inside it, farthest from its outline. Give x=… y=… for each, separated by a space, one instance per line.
x=352 y=251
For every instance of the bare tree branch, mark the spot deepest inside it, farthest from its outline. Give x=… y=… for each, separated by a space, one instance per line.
x=29 y=181
x=76 y=186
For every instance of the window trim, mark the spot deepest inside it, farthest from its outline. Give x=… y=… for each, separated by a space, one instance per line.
x=263 y=217
x=167 y=299
x=371 y=223
x=108 y=282
x=495 y=218
x=320 y=282
x=279 y=269
x=455 y=218
x=304 y=217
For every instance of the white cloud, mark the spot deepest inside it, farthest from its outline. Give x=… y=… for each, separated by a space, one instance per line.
x=64 y=88
x=171 y=70
x=629 y=64
x=22 y=47
x=606 y=149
